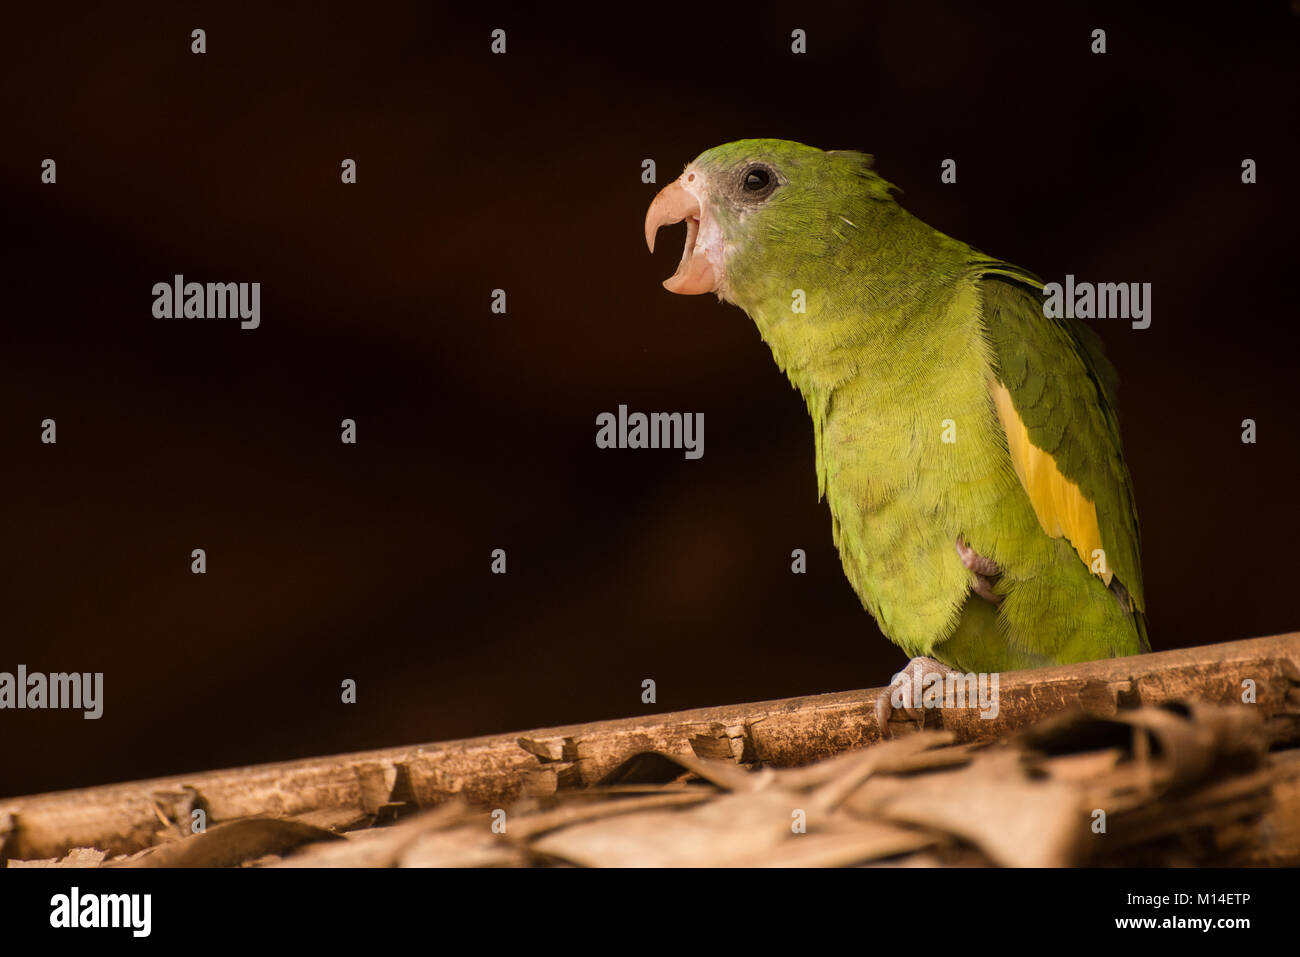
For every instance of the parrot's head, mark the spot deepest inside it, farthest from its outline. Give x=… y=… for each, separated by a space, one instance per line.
x=755 y=210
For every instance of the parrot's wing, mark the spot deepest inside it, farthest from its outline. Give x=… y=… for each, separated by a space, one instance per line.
x=1055 y=398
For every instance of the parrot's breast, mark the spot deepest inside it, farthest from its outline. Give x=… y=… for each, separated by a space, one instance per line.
x=912 y=459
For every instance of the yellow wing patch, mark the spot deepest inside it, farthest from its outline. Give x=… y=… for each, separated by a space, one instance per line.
x=1060 y=505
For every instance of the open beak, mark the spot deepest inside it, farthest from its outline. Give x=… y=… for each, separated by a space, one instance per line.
x=678 y=201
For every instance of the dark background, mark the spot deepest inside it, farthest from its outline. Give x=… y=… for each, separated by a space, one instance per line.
x=477 y=431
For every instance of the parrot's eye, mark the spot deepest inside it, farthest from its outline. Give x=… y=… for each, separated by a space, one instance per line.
x=755 y=179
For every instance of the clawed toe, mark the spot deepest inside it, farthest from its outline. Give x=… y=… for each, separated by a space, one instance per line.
x=912 y=675
x=984 y=571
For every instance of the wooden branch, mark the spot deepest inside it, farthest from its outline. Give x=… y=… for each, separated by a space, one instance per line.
x=343 y=791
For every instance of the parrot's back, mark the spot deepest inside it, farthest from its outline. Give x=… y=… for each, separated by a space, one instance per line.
x=997 y=429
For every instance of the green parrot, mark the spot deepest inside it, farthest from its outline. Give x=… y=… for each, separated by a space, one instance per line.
x=966 y=443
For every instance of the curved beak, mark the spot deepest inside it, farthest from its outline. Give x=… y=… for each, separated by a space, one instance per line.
x=676 y=202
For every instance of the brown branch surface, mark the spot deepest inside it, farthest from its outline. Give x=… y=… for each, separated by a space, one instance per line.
x=339 y=793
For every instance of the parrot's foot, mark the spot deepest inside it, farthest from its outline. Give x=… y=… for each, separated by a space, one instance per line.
x=984 y=570
x=912 y=676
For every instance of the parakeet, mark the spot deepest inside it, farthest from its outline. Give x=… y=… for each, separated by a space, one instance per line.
x=966 y=443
